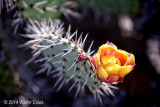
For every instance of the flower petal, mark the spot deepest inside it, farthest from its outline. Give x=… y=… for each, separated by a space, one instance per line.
x=98 y=63
x=93 y=61
x=112 y=70
x=113 y=79
x=124 y=70
x=120 y=79
x=110 y=80
x=121 y=55
x=111 y=44
x=106 y=50
x=108 y=59
x=131 y=60
x=102 y=73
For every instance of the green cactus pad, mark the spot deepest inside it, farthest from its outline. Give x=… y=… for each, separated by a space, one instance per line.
x=39 y=9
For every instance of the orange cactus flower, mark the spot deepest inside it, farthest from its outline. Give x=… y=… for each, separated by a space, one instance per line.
x=112 y=64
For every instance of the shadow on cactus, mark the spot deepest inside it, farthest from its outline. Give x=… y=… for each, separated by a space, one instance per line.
x=64 y=51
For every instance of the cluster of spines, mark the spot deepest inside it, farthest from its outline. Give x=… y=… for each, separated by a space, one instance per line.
x=6 y=4
x=37 y=9
x=67 y=55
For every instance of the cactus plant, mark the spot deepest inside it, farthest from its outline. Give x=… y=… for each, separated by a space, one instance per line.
x=67 y=55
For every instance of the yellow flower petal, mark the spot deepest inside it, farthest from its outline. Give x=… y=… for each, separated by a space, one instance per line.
x=102 y=72
x=108 y=59
x=112 y=70
x=124 y=70
x=98 y=63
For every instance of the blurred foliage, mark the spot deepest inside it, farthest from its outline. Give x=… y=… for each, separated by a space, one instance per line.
x=113 y=6
x=39 y=9
x=7 y=85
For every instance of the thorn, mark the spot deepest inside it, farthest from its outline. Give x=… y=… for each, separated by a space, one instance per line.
x=98 y=95
x=78 y=89
x=72 y=65
x=103 y=88
x=60 y=78
x=72 y=85
x=31 y=60
x=91 y=52
x=84 y=83
x=89 y=63
x=42 y=70
x=76 y=39
x=41 y=59
x=58 y=54
x=57 y=75
x=66 y=53
x=60 y=68
x=106 y=87
x=72 y=74
x=61 y=85
x=68 y=32
x=56 y=62
x=49 y=69
x=89 y=49
x=79 y=39
x=82 y=46
x=100 y=92
x=88 y=75
x=46 y=63
x=70 y=38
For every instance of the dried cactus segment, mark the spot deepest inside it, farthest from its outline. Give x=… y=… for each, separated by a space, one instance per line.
x=62 y=52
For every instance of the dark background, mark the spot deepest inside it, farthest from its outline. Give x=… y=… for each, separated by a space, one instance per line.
x=139 y=89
